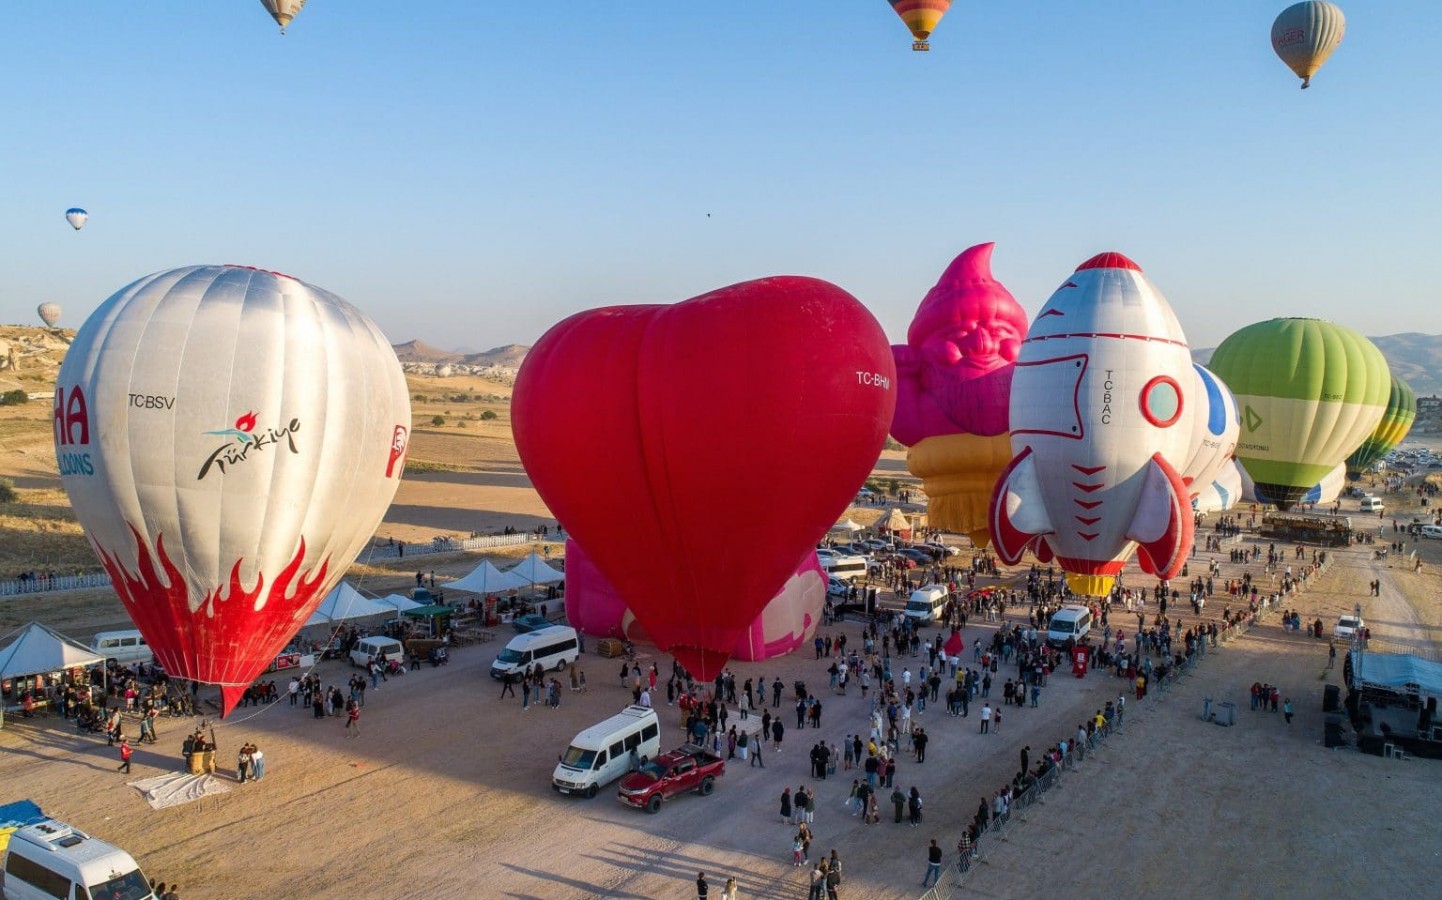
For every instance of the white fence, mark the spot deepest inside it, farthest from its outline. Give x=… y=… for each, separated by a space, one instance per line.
x=42 y=583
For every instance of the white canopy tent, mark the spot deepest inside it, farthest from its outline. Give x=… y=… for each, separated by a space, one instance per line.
x=345 y=602
x=400 y=602
x=847 y=525
x=39 y=650
x=534 y=570
x=486 y=579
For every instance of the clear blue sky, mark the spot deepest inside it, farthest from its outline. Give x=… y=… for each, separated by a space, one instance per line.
x=471 y=172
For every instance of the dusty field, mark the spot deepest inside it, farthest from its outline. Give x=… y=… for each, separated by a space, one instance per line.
x=446 y=793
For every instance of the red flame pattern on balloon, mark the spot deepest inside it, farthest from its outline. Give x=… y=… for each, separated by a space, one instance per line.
x=160 y=607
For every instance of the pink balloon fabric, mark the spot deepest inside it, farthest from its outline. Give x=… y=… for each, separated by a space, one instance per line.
x=954 y=371
x=788 y=622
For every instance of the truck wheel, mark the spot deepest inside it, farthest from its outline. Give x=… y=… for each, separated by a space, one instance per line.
x=708 y=784
x=591 y=792
x=653 y=805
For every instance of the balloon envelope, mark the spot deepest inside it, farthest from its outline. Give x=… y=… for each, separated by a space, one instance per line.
x=641 y=427
x=1305 y=34
x=283 y=11
x=1214 y=430
x=77 y=217
x=49 y=313
x=1310 y=393
x=1397 y=420
x=229 y=439
x=921 y=17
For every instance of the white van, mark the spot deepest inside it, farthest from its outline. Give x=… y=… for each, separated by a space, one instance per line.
x=1432 y=531
x=602 y=753
x=51 y=859
x=1070 y=623
x=368 y=649
x=122 y=646
x=554 y=647
x=848 y=568
x=927 y=603
x=1372 y=504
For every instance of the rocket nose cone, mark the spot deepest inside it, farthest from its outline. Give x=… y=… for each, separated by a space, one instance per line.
x=1109 y=260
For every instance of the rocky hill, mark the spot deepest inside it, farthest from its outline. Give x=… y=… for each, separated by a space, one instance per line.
x=30 y=357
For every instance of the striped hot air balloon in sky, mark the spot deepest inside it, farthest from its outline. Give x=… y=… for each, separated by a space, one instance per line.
x=921 y=16
x=1310 y=392
x=1396 y=422
x=1305 y=34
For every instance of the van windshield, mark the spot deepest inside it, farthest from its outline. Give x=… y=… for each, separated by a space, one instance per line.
x=509 y=656
x=130 y=886
x=918 y=606
x=1061 y=626
x=577 y=758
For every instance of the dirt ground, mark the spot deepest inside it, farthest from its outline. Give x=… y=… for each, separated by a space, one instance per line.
x=446 y=793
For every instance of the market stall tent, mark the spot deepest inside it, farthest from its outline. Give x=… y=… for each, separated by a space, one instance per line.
x=39 y=650
x=534 y=570
x=487 y=579
x=345 y=602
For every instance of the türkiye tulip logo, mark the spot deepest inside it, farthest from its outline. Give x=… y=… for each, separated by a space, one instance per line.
x=247 y=441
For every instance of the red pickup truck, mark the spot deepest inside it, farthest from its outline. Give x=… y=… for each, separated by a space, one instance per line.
x=690 y=768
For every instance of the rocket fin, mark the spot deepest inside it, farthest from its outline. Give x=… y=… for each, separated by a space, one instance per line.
x=1163 y=526
x=1018 y=518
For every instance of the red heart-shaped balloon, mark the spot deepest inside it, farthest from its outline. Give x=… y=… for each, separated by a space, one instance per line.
x=699 y=450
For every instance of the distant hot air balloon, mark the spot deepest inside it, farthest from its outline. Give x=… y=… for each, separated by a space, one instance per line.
x=283 y=11
x=1310 y=393
x=49 y=313
x=77 y=217
x=671 y=433
x=1305 y=34
x=229 y=439
x=1396 y=421
x=953 y=387
x=921 y=16
x=1099 y=418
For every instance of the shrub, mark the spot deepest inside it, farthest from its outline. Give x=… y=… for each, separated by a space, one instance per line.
x=8 y=494
x=10 y=398
x=488 y=415
x=438 y=420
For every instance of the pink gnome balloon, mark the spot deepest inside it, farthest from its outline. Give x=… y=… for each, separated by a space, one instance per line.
x=954 y=379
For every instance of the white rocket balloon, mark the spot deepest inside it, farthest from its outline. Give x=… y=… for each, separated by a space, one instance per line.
x=229 y=439
x=1099 y=425
x=1215 y=427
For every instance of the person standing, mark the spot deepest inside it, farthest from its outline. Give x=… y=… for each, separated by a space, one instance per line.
x=125 y=753
x=933 y=865
x=1331 y=654
x=786 y=805
x=778 y=731
x=913 y=804
x=985 y=718
x=257 y=763
x=898 y=800
x=701 y=887
x=352 y=720
x=1287 y=709
x=730 y=891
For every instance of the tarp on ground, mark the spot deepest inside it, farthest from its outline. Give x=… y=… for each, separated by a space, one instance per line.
x=1401 y=672
x=534 y=570
x=345 y=602
x=175 y=788
x=39 y=649
x=486 y=579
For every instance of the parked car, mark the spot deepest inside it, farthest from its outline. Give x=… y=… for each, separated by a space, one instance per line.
x=943 y=549
x=531 y=622
x=855 y=547
x=920 y=557
x=1348 y=626
x=876 y=546
x=825 y=553
x=689 y=768
x=836 y=587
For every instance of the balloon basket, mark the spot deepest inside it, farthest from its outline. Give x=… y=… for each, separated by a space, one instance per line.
x=920 y=45
x=1090 y=585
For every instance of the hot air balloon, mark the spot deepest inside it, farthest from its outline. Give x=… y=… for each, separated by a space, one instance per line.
x=953 y=386
x=1326 y=490
x=640 y=425
x=1222 y=493
x=1396 y=421
x=1305 y=34
x=1310 y=393
x=77 y=217
x=283 y=11
x=229 y=438
x=49 y=313
x=1099 y=425
x=921 y=16
x=788 y=622
x=1214 y=431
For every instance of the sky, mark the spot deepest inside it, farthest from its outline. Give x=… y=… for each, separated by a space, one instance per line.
x=469 y=173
